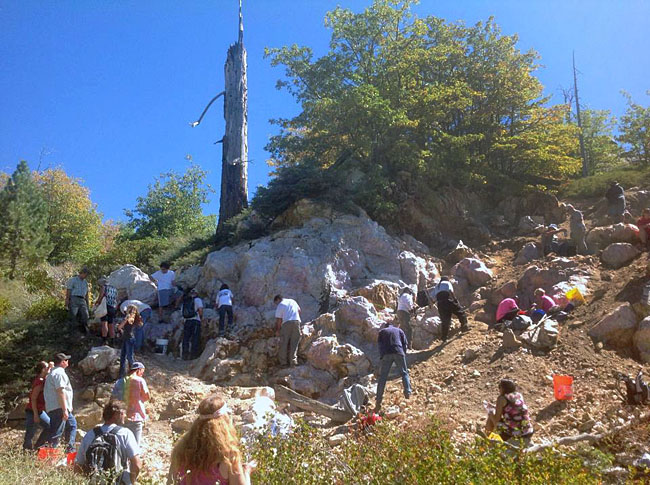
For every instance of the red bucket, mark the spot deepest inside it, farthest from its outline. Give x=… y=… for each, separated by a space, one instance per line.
x=563 y=387
x=51 y=455
x=70 y=457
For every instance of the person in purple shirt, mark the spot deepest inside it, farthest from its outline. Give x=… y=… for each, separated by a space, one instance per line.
x=392 y=349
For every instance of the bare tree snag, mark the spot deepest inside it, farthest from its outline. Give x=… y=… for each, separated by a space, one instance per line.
x=234 y=164
x=305 y=403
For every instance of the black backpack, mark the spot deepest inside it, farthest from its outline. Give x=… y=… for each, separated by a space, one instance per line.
x=103 y=456
x=422 y=298
x=188 y=307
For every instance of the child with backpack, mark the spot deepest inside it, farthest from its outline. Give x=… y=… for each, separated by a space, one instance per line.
x=192 y=311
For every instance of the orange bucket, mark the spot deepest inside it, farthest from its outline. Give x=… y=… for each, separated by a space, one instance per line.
x=49 y=454
x=563 y=387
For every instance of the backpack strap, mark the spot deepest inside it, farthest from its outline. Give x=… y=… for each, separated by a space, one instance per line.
x=115 y=430
x=98 y=431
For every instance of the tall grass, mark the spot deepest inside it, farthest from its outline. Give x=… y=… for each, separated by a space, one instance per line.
x=596 y=185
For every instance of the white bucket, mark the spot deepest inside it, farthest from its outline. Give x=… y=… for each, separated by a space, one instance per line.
x=161 y=345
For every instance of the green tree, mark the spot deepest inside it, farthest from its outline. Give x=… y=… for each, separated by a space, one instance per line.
x=74 y=225
x=418 y=100
x=635 y=132
x=172 y=206
x=24 y=238
x=600 y=144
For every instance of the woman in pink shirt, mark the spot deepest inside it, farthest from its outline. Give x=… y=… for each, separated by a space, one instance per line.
x=543 y=301
x=507 y=309
x=209 y=454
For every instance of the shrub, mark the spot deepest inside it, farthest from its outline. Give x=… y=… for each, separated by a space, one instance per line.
x=5 y=306
x=47 y=308
x=18 y=467
x=596 y=185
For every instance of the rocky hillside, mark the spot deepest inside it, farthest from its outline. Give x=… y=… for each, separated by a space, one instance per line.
x=345 y=271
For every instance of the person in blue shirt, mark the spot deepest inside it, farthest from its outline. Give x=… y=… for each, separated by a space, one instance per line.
x=392 y=350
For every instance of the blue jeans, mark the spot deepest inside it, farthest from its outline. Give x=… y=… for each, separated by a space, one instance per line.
x=57 y=428
x=138 y=332
x=191 y=336
x=30 y=427
x=386 y=363
x=223 y=311
x=128 y=346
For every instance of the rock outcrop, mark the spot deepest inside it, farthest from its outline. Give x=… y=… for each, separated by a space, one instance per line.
x=134 y=284
x=616 y=329
x=617 y=255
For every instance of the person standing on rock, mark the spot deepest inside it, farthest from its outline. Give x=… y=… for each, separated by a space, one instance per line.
x=127 y=326
x=224 y=307
x=192 y=311
x=35 y=414
x=447 y=306
x=287 y=327
x=133 y=391
x=164 y=278
x=110 y=293
x=615 y=196
x=577 y=229
x=57 y=392
x=392 y=345
x=145 y=314
x=405 y=307
x=76 y=299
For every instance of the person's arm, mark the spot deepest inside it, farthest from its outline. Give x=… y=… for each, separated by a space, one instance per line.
x=145 y=392
x=102 y=293
x=135 y=464
x=33 y=397
x=278 y=324
x=200 y=312
x=120 y=325
x=241 y=475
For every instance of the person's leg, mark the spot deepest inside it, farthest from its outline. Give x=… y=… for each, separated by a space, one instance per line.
x=462 y=317
x=138 y=332
x=294 y=342
x=222 y=319
x=230 y=317
x=160 y=307
x=123 y=351
x=283 y=351
x=187 y=338
x=70 y=433
x=130 y=349
x=136 y=429
x=84 y=316
x=73 y=311
x=55 y=430
x=489 y=423
x=45 y=427
x=196 y=340
x=405 y=320
x=400 y=362
x=384 y=370
x=445 y=320
x=104 y=330
x=30 y=430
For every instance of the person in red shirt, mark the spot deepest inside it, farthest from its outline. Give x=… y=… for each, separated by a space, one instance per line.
x=644 y=226
x=36 y=401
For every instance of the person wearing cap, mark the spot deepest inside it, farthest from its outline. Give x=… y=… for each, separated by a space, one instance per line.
x=549 y=241
x=615 y=196
x=110 y=293
x=192 y=312
x=57 y=392
x=133 y=390
x=76 y=299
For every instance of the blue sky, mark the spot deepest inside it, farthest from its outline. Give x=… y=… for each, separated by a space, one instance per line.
x=106 y=89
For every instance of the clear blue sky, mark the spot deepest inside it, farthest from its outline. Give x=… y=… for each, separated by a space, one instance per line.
x=106 y=89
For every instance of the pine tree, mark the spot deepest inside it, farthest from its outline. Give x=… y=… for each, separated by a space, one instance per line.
x=23 y=222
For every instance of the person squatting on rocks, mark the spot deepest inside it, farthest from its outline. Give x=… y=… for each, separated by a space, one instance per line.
x=209 y=453
x=615 y=196
x=127 y=463
x=643 y=224
x=164 y=278
x=110 y=293
x=76 y=299
x=224 y=307
x=287 y=327
x=447 y=306
x=510 y=418
x=57 y=392
x=577 y=229
x=544 y=302
x=192 y=312
x=507 y=309
x=392 y=345
x=35 y=414
x=405 y=307
x=145 y=313
x=134 y=392
x=131 y=320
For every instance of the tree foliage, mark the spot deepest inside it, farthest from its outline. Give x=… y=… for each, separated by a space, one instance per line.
x=440 y=101
x=172 y=206
x=24 y=238
x=74 y=225
x=600 y=145
x=635 y=132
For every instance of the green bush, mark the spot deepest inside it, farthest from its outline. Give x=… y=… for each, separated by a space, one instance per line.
x=395 y=454
x=5 y=306
x=18 y=467
x=596 y=185
x=47 y=308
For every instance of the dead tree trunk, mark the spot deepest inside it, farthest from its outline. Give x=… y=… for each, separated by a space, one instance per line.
x=305 y=403
x=234 y=163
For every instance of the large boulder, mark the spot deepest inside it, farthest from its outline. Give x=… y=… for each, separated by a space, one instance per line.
x=617 y=255
x=641 y=340
x=306 y=379
x=88 y=416
x=133 y=283
x=556 y=277
x=461 y=251
x=99 y=359
x=616 y=329
x=188 y=277
x=358 y=316
x=327 y=354
x=528 y=253
x=380 y=293
x=473 y=270
x=217 y=361
x=601 y=237
x=426 y=329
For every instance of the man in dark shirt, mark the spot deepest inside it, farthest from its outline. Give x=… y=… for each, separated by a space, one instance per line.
x=392 y=349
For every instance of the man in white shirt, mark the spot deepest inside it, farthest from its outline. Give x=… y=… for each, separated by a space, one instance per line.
x=192 y=312
x=128 y=452
x=447 y=306
x=405 y=306
x=287 y=327
x=164 y=278
x=224 y=307
x=57 y=392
